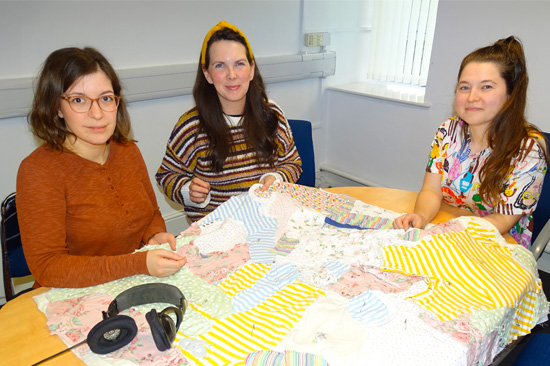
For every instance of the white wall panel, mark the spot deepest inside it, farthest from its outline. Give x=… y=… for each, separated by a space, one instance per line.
x=155 y=82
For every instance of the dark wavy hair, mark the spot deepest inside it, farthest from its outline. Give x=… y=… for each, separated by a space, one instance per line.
x=259 y=120
x=509 y=129
x=60 y=71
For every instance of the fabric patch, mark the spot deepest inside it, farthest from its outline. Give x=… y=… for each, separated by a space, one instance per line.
x=370 y=309
x=275 y=280
x=359 y=221
x=285 y=245
x=314 y=198
x=220 y=236
x=216 y=266
x=286 y=358
x=233 y=338
x=482 y=275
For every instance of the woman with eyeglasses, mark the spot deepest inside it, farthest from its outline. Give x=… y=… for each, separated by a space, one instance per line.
x=84 y=198
x=233 y=138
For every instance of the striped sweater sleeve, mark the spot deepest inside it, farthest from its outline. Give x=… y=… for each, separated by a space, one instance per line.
x=178 y=164
x=289 y=164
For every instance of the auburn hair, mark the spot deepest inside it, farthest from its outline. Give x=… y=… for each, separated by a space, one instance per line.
x=508 y=132
x=60 y=71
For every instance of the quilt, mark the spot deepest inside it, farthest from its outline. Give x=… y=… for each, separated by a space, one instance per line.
x=300 y=276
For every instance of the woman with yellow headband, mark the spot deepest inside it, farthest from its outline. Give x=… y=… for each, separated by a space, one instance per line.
x=233 y=138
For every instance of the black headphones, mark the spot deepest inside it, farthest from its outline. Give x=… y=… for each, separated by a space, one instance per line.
x=116 y=331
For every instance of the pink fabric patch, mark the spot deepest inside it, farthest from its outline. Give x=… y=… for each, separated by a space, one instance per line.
x=217 y=265
x=73 y=319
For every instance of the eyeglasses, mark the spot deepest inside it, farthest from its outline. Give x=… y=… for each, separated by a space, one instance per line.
x=81 y=104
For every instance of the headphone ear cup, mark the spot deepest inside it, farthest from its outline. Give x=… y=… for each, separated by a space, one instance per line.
x=111 y=334
x=159 y=334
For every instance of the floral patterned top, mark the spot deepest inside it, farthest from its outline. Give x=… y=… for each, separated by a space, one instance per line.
x=450 y=156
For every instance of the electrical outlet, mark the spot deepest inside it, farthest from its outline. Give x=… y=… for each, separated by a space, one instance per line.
x=317 y=39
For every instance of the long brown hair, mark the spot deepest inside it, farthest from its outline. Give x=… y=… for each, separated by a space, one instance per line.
x=509 y=129
x=259 y=121
x=60 y=71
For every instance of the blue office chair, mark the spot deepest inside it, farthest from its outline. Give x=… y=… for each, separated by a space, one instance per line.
x=541 y=217
x=536 y=351
x=13 y=260
x=303 y=138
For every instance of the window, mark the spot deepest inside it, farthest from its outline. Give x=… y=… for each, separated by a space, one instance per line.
x=401 y=41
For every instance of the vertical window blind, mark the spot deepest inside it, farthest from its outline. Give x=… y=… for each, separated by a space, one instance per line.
x=401 y=40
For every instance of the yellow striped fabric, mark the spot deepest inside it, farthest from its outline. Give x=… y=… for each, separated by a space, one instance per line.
x=467 y=271
x=243 y=278
x=232 y=339
x=524 y=317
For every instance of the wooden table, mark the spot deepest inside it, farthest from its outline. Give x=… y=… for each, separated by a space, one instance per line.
x=25 y=339
x=396 y=200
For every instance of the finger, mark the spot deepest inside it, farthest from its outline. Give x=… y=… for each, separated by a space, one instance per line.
x=173 y=266
x=415 y=222
x=172 y=242
x=201 y=183
x=265 y=187
x=198 y=189
x=398 y=223
x=166 y=254
x=197 y=197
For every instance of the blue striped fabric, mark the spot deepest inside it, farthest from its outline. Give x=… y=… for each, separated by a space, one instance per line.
x=336 y=268
x=369 y=309
x=273 y=281
x=261 y=244
x=260 y=228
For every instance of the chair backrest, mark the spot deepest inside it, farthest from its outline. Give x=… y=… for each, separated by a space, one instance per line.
x=303 y=138
x=541 y=217
x=13 y=259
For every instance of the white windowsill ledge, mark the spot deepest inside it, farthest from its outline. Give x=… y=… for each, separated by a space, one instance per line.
x=387 y=91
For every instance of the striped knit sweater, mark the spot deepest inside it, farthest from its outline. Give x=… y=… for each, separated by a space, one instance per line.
x=187 y=156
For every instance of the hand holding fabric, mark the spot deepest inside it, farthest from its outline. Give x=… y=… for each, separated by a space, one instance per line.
x=162 y=263
x=266 y=182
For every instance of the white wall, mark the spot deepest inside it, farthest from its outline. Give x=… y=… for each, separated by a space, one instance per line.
x=379 y=141
x=135 y=34
x=387 y=142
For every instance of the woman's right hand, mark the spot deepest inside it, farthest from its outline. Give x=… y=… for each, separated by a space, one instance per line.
x=409 y=220
x=198 y=190
x=162 y=263
x=428 y=203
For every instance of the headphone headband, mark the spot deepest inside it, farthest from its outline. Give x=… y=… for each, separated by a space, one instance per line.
x=146 y=294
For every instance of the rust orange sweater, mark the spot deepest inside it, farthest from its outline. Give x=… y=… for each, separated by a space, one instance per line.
x=80 y=221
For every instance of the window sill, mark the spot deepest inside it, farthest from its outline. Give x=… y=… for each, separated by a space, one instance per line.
x=387 y=91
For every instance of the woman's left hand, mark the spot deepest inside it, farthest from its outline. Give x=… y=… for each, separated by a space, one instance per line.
x=161 y=238
x=267 y=182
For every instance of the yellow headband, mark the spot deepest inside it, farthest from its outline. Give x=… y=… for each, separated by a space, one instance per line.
x=221 y=25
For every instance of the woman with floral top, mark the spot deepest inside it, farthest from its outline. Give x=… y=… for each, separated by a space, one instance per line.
x=487 y=159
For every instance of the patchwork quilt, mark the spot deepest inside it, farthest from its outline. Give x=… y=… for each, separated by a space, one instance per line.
x=300 y=276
